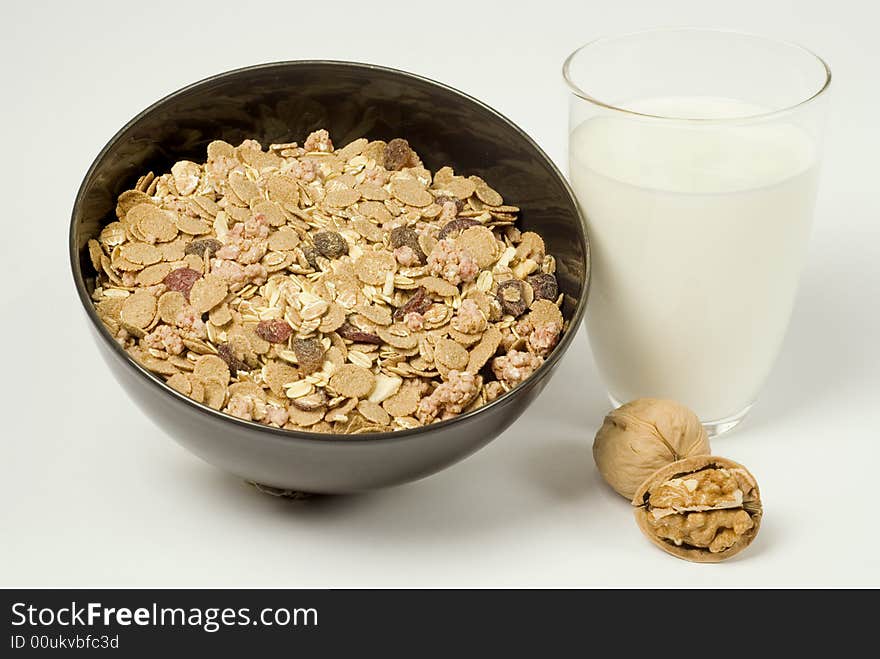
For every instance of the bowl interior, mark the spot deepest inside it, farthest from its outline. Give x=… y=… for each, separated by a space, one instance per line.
x=283 y=102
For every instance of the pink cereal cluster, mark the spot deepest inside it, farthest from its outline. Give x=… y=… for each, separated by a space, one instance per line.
x=249 y=408
x=319 y=141
x=164 y=338
x=469 y=318
x=449 y=398
x=452 y=263
x=515 y=367
x=406 y=256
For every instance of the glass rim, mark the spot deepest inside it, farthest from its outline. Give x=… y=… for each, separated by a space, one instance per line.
x=580 y=93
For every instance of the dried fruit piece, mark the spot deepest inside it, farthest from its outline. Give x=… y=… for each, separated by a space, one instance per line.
x=513 y=295
x=311 y=256
x=704 y=509
x=453 y=228
x=330 y=244
x=227 y=354
x=419 y=302
x=352 y=333
x=407 y=237
x=642 y=436
x=309 y=354
x=203 y=246
x=544 y=286
x=274 y=331
x=398 y=154
x=443 y=199
x=311 y=402
x=182 y=280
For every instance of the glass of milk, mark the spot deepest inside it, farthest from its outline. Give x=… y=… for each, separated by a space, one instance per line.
x=695 y=157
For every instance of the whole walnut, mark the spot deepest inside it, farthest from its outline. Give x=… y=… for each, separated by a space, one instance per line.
x=642 y=436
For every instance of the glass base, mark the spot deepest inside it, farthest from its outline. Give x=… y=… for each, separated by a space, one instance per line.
x=716 y=427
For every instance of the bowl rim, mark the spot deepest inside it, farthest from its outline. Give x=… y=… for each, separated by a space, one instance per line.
x=309 y=437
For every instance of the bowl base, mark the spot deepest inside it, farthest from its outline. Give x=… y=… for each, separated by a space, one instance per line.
x=294 y=495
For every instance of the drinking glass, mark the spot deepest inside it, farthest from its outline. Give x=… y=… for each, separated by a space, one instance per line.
x=695 y=157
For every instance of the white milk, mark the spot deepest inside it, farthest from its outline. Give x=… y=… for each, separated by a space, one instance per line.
x=698 y=237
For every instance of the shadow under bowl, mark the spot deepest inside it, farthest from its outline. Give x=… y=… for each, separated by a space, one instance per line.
x=283 y=102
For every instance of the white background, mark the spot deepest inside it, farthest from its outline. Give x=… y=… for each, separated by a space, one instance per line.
x=91 y=493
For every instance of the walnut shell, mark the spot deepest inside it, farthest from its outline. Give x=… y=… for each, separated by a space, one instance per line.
x=642 y=436
x=694 y=521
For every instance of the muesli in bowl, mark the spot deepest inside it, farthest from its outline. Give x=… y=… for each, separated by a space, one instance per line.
x=326 y=290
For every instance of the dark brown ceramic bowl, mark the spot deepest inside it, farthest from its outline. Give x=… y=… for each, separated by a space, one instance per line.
x=283 y=102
